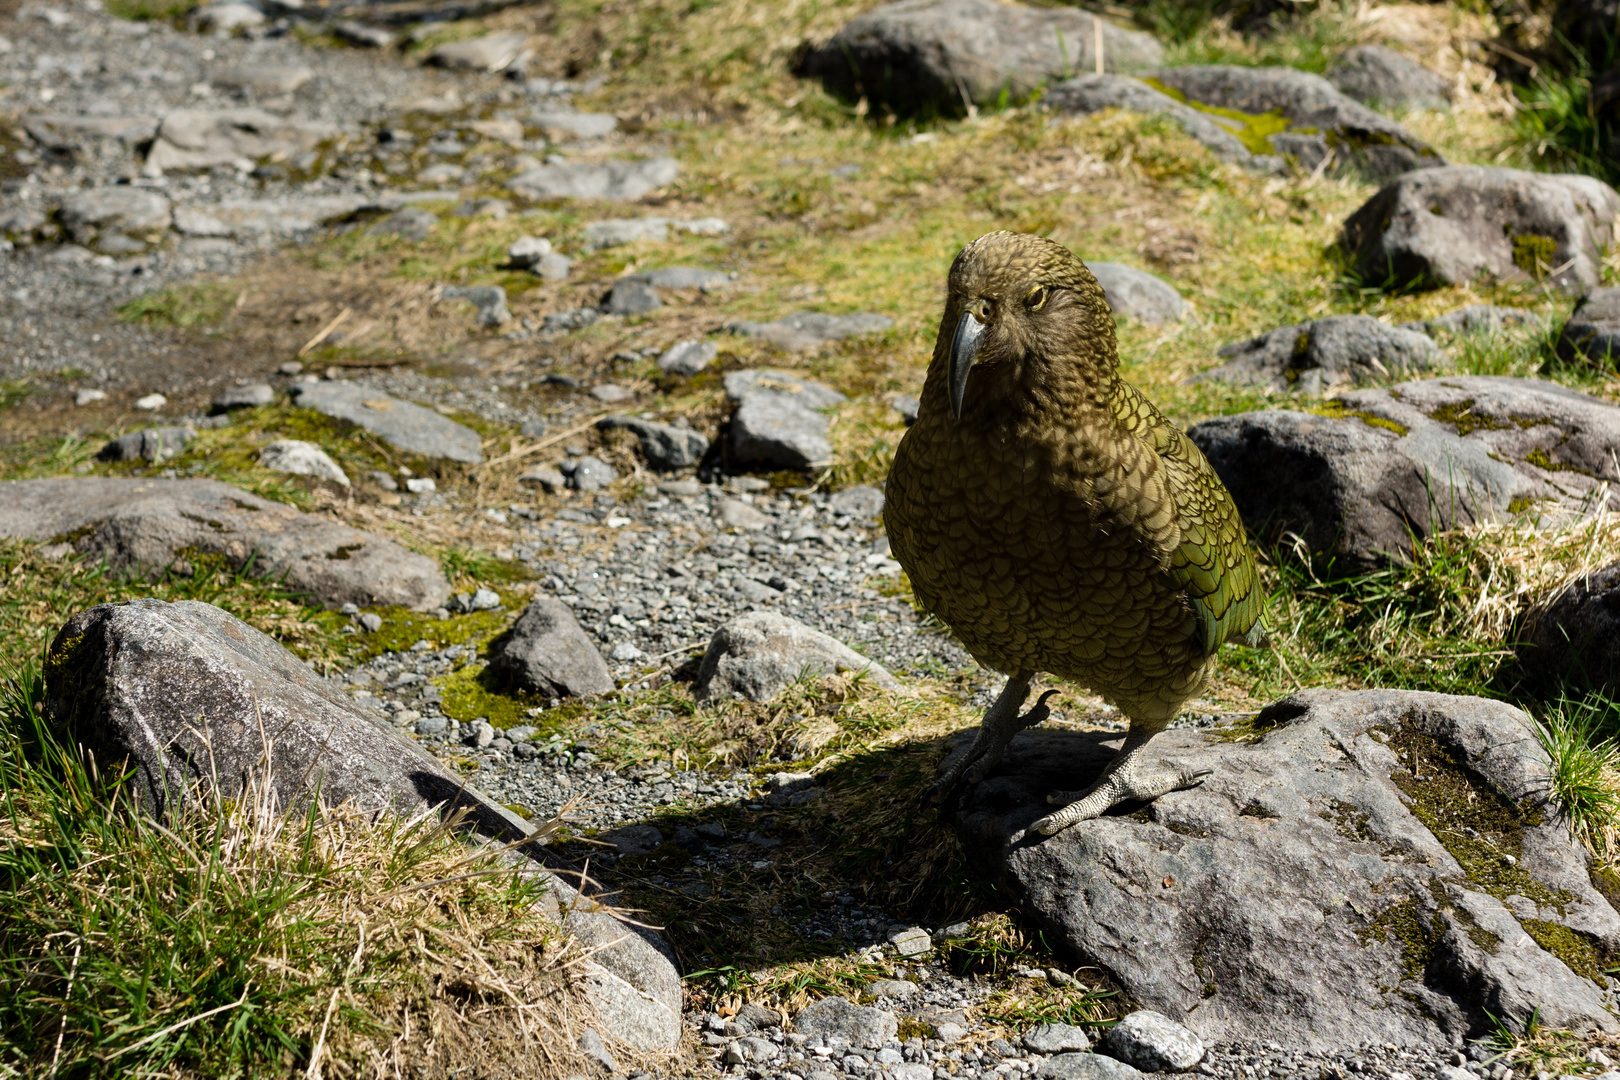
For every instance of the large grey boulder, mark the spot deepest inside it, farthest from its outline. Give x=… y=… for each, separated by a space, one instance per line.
x=1328 y=354
x=1570 y=640
x=1087 y=94
x=547 y=652
x=664 y=446
x=806 y=330
x=1592 y=333
x=1381 y=469
x=1321 y=120
x=147 y=525
x=138 y=213
x=407 y=426
x=1374 y=866
x=1450 y=226
x=1137 y=294
x=1382 y=78
x=189 y=695
x=200 y=139
x=778 y=420
x=755 y=656
x=943 y=56
x=613 y=181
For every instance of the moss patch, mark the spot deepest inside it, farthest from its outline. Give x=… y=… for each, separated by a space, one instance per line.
x=1576 y=950
x=403 y=628
x=1534 y=254
x=1481 y=829
x=180 y=305
x=1415 y=933
x=469 y=692
x=1337 y=410
x=1461 y=415
x=1253 y=130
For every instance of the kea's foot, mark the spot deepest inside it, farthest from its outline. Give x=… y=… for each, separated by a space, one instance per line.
x=1125 y=780
x=1001 y=722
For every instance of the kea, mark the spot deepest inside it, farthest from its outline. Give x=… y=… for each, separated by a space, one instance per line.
x=1057 y=522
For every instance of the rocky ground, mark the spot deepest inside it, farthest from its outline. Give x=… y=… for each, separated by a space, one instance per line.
x=217 y=220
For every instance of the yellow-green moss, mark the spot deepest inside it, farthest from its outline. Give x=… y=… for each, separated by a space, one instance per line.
x=402 y=628
x=1405 y=925
x=1254 y=130
x=1576 y=950
x=1337 y=410
x=1535 y=254
x=468 y=693
x=181 y=305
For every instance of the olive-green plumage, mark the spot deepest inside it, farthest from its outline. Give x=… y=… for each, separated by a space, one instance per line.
x=1061 y=523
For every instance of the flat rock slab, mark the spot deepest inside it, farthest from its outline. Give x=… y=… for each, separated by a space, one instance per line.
x=805 y=330
x=407 y=426
x=254 y=219
x=193 y=140
x=141 y=526
x=189 y=695
x=1451 y=225
x=1378 y=468
x=943 y=55
x=1324 y=126
x=1373 y=824
x=613 y=181
x=1328 y=354
x=1137 y=294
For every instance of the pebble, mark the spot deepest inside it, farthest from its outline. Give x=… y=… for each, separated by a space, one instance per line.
x=151 y=402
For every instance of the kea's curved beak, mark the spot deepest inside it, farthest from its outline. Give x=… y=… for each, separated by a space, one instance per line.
x=964 y=351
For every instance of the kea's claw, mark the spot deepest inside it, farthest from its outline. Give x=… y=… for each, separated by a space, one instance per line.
x=1121 y=782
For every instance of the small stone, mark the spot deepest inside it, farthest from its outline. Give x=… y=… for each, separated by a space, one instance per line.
x=1153 y=1042
x=490 y=53
x=907 y=407
x=592 y=474
x=911 y=941
x=431 y=725
x=631 y=297
x=383 y=480
x=151 y=402
x=290 y=368
x=366 y=37
x=547 y=477
x=665 y=446
x=682 y=277
x=681 y=489
x=248 y=396
x=610 y=393
x=687 y=357
x=624 y=651
x=734 y=514
x=152 y=444
x=225 y=18
x=547 y=652
x=614 y=179
x=1056 y=1039
x=89 y=397
x=527 y=250
x=301 y=459
x=484 y=600
x=421 y=485
x=838 y=1018
x=370 y=622
x=564 y=124
x=488 y=300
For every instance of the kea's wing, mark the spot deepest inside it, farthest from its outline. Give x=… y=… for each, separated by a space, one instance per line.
x=1213 y=561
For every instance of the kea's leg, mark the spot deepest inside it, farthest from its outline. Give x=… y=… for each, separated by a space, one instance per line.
x=1001 y=722
x=1126 y=779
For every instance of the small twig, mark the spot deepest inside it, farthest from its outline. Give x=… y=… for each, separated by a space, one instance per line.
x=550 y=440
x=61 y=1030
x=314 y=1070
x=172 y=1028
x=326 y=330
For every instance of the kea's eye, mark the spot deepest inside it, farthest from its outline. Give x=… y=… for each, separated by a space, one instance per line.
x=1036 y=298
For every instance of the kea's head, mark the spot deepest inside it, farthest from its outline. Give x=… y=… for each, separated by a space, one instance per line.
x=1023 y=314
